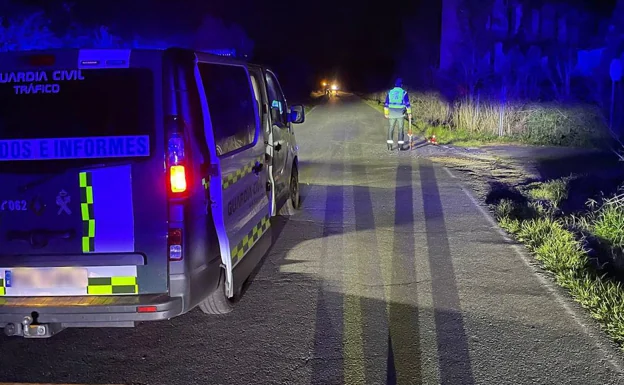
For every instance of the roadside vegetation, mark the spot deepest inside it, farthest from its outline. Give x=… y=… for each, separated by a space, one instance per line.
x=515 y=83
x=582 y=247
x=536 y=89
x=472 y=122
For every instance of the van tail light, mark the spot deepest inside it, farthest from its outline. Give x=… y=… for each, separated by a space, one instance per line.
x=177 y=177
x=176 y=157
x=174 y=243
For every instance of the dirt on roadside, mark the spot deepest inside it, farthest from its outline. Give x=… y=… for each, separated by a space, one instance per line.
x=494 y=171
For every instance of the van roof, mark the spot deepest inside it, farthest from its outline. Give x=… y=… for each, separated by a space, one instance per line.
x=125 y=52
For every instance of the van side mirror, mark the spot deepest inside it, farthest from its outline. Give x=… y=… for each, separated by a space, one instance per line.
x=297 y=114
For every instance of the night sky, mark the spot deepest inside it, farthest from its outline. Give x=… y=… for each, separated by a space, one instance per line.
x=342 y=38
x=332 y=37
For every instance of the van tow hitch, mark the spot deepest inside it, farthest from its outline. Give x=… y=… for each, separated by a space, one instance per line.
x=28 y=328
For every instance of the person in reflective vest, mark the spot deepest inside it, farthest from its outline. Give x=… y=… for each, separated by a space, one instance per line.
x=397 y=103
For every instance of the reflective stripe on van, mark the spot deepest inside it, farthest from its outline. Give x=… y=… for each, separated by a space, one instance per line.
x=250 y=239
x=233 y=177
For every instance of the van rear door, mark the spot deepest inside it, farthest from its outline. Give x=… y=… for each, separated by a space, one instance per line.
x=236 y=142
x=83 y=199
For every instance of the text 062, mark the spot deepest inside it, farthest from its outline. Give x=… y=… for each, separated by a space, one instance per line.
x=13 y=206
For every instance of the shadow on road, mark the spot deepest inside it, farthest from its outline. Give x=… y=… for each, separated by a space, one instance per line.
x=372 y=334
x=454 y=358
x=562 y=164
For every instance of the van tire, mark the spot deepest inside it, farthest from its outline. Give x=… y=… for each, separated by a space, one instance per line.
x=217 y=303
x=293 y=203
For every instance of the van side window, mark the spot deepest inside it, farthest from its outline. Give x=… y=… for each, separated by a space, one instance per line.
x=231 y=105
x=256 y=81
x=256 y=91
x=277 y=102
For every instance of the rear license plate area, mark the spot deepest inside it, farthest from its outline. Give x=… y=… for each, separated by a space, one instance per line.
x=49 y=280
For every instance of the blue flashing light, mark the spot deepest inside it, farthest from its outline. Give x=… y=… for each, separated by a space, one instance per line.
x=103 y=58
x=222 y=52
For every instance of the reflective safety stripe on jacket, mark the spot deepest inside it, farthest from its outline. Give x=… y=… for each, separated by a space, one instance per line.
x=395 y=98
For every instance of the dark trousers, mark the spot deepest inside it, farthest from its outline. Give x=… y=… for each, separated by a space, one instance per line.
x=396 y=123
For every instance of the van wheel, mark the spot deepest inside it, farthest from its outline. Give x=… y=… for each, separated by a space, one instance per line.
x=217 y=302
x=293 y=203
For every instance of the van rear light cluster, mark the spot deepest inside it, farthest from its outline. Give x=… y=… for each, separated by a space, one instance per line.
x=177 y=176
x=176 y=157
x=174 y=243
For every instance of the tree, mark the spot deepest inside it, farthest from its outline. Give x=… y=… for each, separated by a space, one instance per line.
x=468 y=50
x=214 y=34
x=27 y=33
x=31 y=28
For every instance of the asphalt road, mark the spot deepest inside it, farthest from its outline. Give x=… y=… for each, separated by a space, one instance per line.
x=391 y=274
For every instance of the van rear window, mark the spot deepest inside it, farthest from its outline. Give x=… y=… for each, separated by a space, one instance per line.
x=231 y=103
x=90 y=103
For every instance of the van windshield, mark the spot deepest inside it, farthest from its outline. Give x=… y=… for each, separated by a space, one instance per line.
x=92 y=103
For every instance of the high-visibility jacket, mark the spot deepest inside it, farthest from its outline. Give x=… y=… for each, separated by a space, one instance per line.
x=397 y=100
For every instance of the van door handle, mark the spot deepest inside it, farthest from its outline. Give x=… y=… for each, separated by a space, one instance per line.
x=278 y=146
x=257 y=168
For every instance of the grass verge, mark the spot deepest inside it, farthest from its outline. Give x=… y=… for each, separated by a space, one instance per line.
x=474 y=122
x=464 y=138
x=448 y=135
x=562 y=245
x=607 y=222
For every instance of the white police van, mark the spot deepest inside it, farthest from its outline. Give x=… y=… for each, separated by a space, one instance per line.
x=136 y=184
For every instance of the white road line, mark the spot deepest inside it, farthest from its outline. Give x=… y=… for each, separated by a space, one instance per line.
x=449 y=172
x=550 y=287
x=365 y=101
x=373 y=107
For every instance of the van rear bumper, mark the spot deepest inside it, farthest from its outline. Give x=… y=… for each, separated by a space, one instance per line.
x=90 y=311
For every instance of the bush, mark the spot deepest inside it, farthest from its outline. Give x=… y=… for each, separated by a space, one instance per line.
x=484 y=118
x=564 y=125
x=576 y=125
x=430 y=108
x=557 y=124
